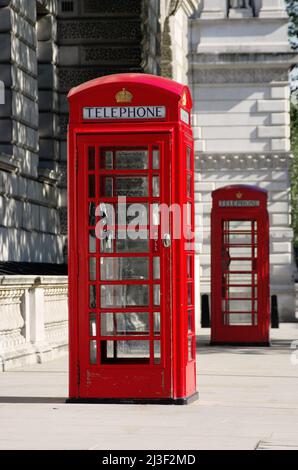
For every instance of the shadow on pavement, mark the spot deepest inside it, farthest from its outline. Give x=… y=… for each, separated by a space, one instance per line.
x=281 y=346
x=49 y=400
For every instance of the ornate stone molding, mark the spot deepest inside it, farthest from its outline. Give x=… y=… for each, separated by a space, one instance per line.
x=57 y=291
x=242 y=161
x=106 y=7
x=111 y=55
x=101 y=30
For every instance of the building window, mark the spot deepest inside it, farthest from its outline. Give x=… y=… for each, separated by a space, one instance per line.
x=67 y=6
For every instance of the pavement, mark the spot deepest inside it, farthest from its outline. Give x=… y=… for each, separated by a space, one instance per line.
x=248 y=400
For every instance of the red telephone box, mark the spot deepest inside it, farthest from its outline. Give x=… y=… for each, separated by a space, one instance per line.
x=131 y=292
x=240 y=312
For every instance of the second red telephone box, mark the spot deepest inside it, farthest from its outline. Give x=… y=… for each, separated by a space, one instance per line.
x=240 y=311
x=131 y=267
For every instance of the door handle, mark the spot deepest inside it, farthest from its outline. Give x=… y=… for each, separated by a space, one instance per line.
x=167 y=240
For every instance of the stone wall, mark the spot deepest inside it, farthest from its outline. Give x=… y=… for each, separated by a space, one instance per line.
x=29 y=228
x=33 y=319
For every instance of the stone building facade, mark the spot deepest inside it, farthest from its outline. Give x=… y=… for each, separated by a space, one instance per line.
x=239 y=61
x=235 y=57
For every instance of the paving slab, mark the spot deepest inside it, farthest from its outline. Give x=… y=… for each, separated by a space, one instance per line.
x=248 y=400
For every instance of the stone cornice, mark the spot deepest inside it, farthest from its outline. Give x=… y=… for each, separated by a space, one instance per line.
x=243 y=161
x=243 y=60
x=245 y=21
x=228 y=75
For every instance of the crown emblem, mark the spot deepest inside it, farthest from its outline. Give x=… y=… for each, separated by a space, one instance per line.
x=184 y=99
x=123 y=96
x=239 y=195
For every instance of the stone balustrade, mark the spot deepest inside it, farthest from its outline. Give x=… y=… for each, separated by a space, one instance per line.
x=33 y=319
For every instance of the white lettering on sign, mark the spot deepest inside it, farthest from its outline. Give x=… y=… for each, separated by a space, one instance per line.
x=184 y=115
x=250 y=203
x=125 y=112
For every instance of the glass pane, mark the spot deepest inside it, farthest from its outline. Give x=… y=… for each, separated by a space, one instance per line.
x=188 y=159
x=117 y=269
x=156 y=267
x=92 y=324
x=122 y=351
x=91 y=158
x=239 y=319
x=135 y=213
x=91 y=185
x=190 y=321
x=155 y=186
x=188 y=212
x=93 y=352
x=91 y=213
x=131 y=159
x=238 y=305
x=156 y=347
x=190 y=348
x=125 y=242
x=131 y=186
x=155 y=158
x=189 y=181
x=242 y=292
x=189 y=267
x=124 y=295
x=156 y=318
x=118 y=324
x=106 y=159
x=92 y=296
x=189 y=293
x=240 y=265
x=156 y=294
x=106 y=244
x=92 y=242
x=155 y=214
x=106 y=186
x=237 y=279
x=92 y=269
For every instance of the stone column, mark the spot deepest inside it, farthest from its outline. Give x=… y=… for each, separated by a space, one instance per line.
x=175 y=39
x=240 y=9
x=272 y=9
x=213 y=9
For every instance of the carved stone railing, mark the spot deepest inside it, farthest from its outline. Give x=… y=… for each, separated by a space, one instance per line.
x=33 y=319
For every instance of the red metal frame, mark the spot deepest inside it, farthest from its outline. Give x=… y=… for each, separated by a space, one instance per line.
x=240 y=304
x=174 y=378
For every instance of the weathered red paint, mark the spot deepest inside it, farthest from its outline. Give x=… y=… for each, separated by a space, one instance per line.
x=240 y=309
x=174 y=377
